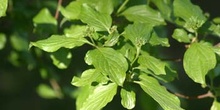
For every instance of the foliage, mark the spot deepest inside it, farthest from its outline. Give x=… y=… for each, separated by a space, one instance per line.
x=123 y=43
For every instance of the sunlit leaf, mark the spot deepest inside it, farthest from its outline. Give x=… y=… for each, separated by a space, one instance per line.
x=46 y=91
x=3 y=7
x=109 y=62
x=138 y=33
x=159 y=93
x=143 y=14
x=181 y=35
x=215 y=105
x=72 y=10
x=99 y=21
x=44 y=17
x=198 y=60
x=75 y=31
x=55 y=42
x=99 y=97
x=61 y=58
x=128 y=98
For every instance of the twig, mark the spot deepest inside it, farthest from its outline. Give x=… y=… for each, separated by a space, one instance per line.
x=57 y=10
x=206 y=95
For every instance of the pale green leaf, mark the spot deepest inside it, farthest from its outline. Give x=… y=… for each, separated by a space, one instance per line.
x=128 y=98
x=143 y=14
x=105 y=6
x=181 y=35
x=215 y=105
x=138 y=33
x=3 y=7
x=198 y=60
x=113 y=37
x=46 y=91
x=159 y=93
x=44 y=17
x=129 y=51
x=55 y=42
x=87 y=77
x=75 y=31
x=95 y=19
x=2 y=40
x=99 y=97
x=109 y=62
x=72 y=10
x=61 y=58
x=149 y=63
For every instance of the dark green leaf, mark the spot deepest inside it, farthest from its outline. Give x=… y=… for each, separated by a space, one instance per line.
x=95 y=19
x=138 y=33
x=44 y=17
x=151 y=86
x=143 y=14
x=198 y=60
x=181 y=35
x=99 y=97
x=3 y=7
x=55 y=42
x=61 y=58
x=109 y=62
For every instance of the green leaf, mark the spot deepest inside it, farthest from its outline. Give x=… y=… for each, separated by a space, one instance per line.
x=72 y=10
x=113 y=37
x=159 y=37
x=61 y=58
x=109 y=62
x=128 y=98
x=143 y=14
x=198 y=60
x=151 y=64
x=99 y=97
x=2 y=40
x=75 y=31
x=99 y=21
x=87 y=77
x=151 y=86
x=181 y=35
x=3 y=7
x=46 y=92
x=44 y=17
x=192 y=15
x=19 y=43
x=138 y=33
x=55 y=42
x=215 y=105
x=105 y=6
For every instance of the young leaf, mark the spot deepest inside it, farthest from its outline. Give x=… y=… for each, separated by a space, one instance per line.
x=61 y=58
x=44 y=17
x=99 y=21
x=75 y=31
x=198 y=60
x=215 y=105
x=151 y=86
x=149 y=63
x=143 y=14
x=55 y=42
x=109 y=62
x=3 y=7
x=128 y=98
x=181 y=35
x=99 y=97
x=72 y=10
x=138 y=33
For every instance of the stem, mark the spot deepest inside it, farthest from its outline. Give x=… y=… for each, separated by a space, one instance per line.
x=122 y=6
x=56 y=88
x=57 y=10
x=202 y=96
x=138 y=48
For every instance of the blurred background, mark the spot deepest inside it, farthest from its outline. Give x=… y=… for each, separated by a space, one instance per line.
x=30 y=81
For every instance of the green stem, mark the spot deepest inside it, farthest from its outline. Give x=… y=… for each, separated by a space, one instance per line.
x=122 y=6
x=138 y=48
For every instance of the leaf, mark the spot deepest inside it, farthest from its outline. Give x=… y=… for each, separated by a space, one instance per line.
x=2 y=41
x=72 y=10
x=61 y=58
x=143 y=14
x=151 y=86
x=46 y=92
x=44 y=17
x=198 y=60
x=105 y=6
x=159 y=37
x=3 y=7
x=215 y=105
x=128 y=98
x=19 y=43
x=99 y=21
x=181 y=35
x=55 y=42
x=113 y=37
x=87 y=77
x=138 y=33
x=75 y=31
x=109 y=62
x=149 y=63
x=192 y=15
x=99 y=97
